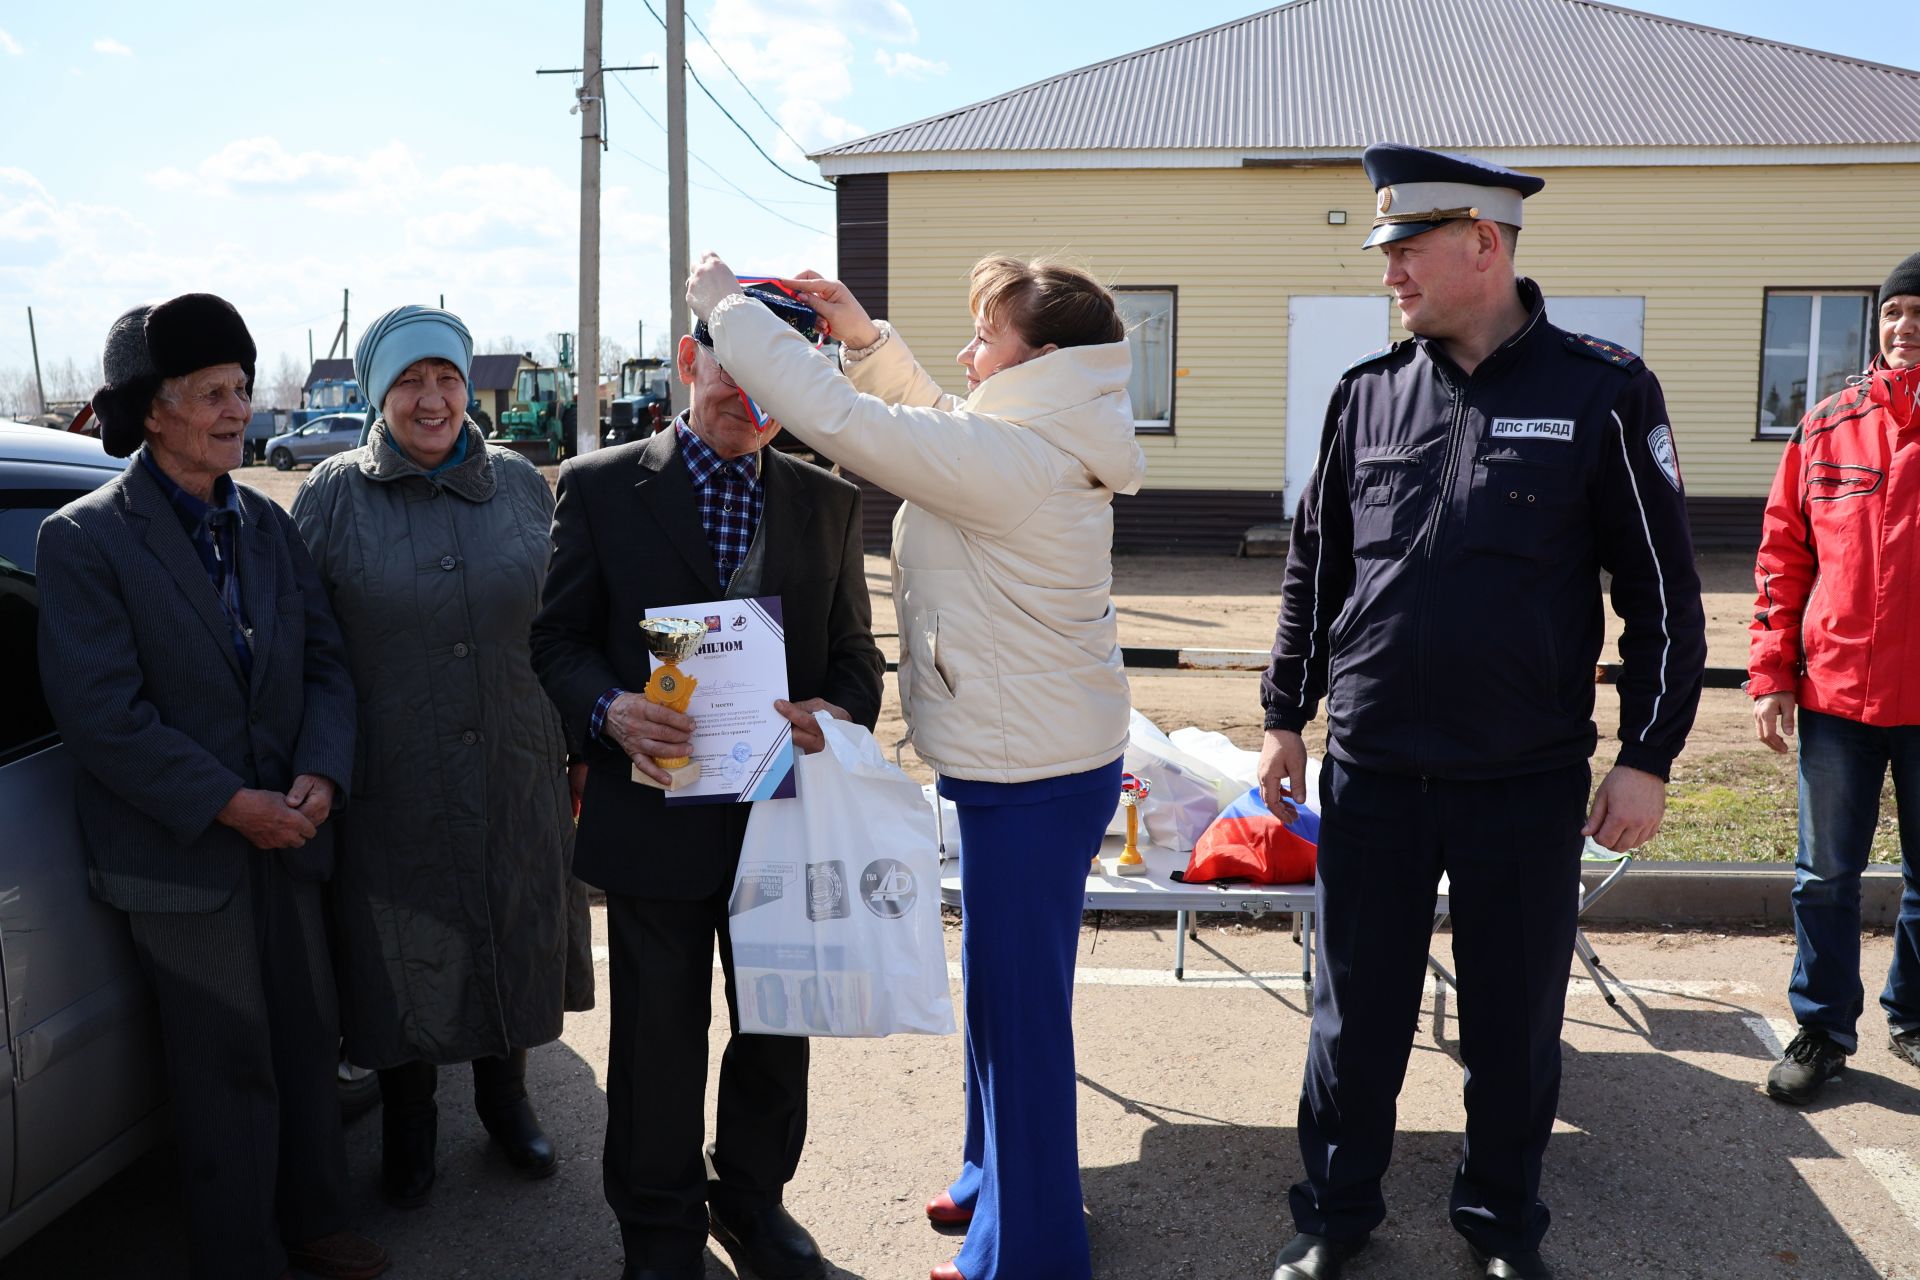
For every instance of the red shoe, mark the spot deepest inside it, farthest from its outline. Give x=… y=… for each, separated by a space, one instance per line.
x=945 y=1271
x=943 y=1212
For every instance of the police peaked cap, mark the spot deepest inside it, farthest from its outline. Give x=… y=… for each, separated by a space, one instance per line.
x=1420 y=189
x=148 y=345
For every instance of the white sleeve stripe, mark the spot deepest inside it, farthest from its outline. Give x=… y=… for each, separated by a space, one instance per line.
x=1659 y=574
x=1319 y=563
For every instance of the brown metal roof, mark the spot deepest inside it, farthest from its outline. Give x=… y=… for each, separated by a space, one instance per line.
x=1335 y=75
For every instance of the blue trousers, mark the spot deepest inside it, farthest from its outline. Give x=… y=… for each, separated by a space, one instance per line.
x=1511 y=848
x=1843 y=765
x=1024 y=850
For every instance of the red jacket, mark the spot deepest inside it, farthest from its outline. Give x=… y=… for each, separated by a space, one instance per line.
x=1837 y=621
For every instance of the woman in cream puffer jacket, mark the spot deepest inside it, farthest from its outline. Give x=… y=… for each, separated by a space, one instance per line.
x=1010 y=673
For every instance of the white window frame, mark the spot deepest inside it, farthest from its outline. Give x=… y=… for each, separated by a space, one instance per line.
x=1161 y=426
x=1763 y=431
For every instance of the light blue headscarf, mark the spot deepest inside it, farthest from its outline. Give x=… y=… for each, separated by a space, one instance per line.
x=400 y=337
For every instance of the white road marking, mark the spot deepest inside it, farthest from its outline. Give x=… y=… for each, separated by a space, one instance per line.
x=1234 y=980
x=1772 y=1033
x=1898 y=1173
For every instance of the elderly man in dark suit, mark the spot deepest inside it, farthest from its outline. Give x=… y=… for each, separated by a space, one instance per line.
x=199 y=679
x=700 y=512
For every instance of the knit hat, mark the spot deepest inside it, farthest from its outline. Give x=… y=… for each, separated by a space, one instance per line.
x=402 y=336
x=148 y=345
x=1904 y=280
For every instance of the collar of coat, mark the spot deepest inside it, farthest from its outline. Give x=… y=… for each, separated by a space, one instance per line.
x=1054 y=382
x=472 y=478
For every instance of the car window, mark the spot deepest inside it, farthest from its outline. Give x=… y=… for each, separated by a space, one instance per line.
x=26 y=725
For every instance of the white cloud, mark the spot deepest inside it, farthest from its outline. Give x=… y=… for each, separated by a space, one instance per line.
x=114 y=47
x=907 y=65
x=8 y=45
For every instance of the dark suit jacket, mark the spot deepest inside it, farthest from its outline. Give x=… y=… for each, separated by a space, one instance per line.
x=627 y=537
x=142 y=679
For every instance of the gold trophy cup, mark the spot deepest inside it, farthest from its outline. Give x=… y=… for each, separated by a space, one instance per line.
x=671 y=640
x=1133 y=790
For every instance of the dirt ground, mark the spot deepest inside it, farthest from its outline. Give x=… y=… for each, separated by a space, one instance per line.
x=1732 y=800
x=1667 y=1160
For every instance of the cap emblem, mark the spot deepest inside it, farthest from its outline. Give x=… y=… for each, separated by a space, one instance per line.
x=1386 y=199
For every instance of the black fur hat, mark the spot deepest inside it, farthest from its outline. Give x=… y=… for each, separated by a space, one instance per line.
x=148 y=345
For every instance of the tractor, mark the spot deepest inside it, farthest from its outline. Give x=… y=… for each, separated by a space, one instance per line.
x=541 y=422
x=641 y=407
x=329 y=396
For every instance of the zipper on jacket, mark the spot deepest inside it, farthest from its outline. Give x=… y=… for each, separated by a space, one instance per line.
x=1431 y=535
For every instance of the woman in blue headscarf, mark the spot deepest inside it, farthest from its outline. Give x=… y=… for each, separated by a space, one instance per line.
x=462 y=934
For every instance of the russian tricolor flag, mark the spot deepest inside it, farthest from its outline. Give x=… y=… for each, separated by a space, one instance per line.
x=1247 y=843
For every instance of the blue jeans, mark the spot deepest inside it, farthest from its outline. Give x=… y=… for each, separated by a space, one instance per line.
x=1843 y=766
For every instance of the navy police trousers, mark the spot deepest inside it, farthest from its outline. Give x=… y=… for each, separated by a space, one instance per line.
x=1511 y=849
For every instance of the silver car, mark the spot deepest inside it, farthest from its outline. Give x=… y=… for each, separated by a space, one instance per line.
x=317 y=441
x=82 y=1085
x=83 y=1088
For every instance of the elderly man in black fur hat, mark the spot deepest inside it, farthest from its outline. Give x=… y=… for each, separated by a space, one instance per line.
x=198 y=678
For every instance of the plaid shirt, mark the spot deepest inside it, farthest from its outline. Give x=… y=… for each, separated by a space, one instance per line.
x=731 y=499
x=730 y=495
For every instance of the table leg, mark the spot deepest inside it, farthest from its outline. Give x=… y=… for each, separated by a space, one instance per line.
x=1180 y=946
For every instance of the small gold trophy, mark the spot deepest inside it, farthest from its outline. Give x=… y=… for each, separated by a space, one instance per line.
x=1133 y=789
x=671 y=640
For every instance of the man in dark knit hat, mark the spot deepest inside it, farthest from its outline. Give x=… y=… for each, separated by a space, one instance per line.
x=200 y=682
x=1841 y=514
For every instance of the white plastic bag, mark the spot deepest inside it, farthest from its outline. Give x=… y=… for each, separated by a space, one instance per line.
x=1218 y=750
x=1185 y=795
x=835 y=912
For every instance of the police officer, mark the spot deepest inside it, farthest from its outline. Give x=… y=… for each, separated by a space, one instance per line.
x=1442 y=592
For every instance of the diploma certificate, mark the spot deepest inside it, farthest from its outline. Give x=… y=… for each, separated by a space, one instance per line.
x=743 y=746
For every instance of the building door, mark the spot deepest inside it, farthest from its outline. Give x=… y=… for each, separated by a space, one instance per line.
x=1324 y=337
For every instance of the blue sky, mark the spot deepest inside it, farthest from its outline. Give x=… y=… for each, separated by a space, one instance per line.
x=278 y=153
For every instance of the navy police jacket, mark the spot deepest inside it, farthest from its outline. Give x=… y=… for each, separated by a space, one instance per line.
x=1442 y=587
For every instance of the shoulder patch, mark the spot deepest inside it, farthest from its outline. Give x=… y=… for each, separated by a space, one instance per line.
x=1373 y=356
x=1600 y=349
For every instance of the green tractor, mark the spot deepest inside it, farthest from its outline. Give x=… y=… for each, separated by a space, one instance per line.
x=540 y=423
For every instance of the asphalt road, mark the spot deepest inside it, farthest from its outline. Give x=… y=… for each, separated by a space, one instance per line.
x=1668 y=1161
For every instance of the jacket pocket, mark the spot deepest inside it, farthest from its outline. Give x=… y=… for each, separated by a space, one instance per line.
x=1518 y=507
x=931 y=674
x=1386 y=504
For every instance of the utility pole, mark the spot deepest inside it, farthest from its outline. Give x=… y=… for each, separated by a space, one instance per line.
x=38 y=385
x=679 y=257
x=586 y=356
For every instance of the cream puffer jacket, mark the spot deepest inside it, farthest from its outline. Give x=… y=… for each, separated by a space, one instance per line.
x=1010 y=664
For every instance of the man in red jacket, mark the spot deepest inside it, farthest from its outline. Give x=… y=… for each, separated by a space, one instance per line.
x=1836 y=634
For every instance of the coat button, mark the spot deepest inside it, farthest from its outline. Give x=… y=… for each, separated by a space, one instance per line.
x=447 y=562
x=469 y=737
x=460 y=650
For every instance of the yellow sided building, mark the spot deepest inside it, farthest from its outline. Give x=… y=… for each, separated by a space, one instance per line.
x=1724 y=206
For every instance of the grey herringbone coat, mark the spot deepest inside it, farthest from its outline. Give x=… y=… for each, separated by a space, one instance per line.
x=139 y=671
x=461 y=931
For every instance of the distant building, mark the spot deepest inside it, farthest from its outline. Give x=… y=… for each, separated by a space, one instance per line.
x=1722 y=204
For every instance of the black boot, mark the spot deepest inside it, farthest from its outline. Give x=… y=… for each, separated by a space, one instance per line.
x=500 y=1096
x=409 y=1126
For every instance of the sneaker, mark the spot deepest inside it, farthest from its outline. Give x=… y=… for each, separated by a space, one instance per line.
x=1906 y=1046
x=1809 y=1062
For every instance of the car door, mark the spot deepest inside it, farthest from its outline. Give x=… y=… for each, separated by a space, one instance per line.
x=86 y=1075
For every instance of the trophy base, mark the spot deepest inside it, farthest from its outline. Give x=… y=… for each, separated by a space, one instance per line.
x=1096 y=868
x=1125 y=868
x=683 y=777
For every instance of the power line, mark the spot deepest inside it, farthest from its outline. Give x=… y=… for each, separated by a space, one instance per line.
x=736 y=189
x=743 y=85
x=751 y=140
x=809 y=204
x=719 y=191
